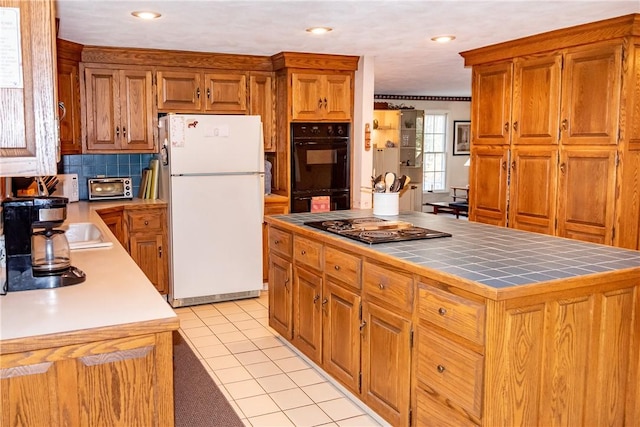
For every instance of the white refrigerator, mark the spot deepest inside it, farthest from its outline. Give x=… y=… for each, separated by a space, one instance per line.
x=212 y=175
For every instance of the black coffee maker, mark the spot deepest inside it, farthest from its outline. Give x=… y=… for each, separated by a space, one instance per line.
x=37 y=253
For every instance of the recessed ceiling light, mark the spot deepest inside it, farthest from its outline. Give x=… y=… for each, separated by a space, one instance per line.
x=146 y=15
x=443 y=39
x=319 y=30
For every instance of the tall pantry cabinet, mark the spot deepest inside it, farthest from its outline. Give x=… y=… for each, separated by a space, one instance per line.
x=555 y=143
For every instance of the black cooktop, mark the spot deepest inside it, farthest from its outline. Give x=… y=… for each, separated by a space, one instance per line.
x=376 y=230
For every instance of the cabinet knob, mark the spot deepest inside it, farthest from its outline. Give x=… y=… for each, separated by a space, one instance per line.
x=337 y=267
x=319 y=103
x=124 y=131
x=159 y=251
x=363 y=324
x=563 y=167
x=565 y=124
x=324 y=301
x=208 y=93
x=380 y=285
x=441 y=368
x=513 y=165
x=515 y=126
x=117 y=130
x=506 y=127
x=198 y=93
x=316 y=298
x=303 y=252
x=276 y=242
x=442 y=311
x=504 y=165
x=146 y=223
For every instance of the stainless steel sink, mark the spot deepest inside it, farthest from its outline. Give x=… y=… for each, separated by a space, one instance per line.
x=85 y=235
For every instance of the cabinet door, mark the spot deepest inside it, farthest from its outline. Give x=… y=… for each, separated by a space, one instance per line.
x=179 y=91
x=136 y=110
x=488 y=185
x=536 y=100
x=491 y=106
x=114 y=220
x=337 y=97
x=226 y=93
x=103 y=113
x=341 y=338
x=262 y=104
x=28 y=142
x=147 y=250
x=533 y=189
x=307 y=314
x=386 y=363
x=306 y=96
x=591 y=95
x=280 y=296
x=69 y=103
x=586 y=194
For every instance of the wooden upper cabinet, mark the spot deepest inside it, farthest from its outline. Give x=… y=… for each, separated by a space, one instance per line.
x=69 y=104
x=197 y=92
x=321 y=97
x=591 y=95
x=179 y=91
x=120 y=112
x=488 y=184
x=587 y=187
x=29 y=143
x=491 y=106
x=262 y=103
x=533 y=188
x=226 y=93
x=536 y=100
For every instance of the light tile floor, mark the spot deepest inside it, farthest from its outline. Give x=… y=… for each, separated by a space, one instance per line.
x=265 y=381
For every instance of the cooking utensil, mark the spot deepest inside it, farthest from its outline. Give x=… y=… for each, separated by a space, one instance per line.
x=379 y=187
x=389 y=178
x=406 y=185
x=403 y=180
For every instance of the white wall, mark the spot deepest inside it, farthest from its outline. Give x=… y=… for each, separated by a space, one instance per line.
x=362 y=114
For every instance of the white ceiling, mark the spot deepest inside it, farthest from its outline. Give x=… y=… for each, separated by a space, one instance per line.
x=395 y=32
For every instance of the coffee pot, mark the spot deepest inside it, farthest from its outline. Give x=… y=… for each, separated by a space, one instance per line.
x=37 y=253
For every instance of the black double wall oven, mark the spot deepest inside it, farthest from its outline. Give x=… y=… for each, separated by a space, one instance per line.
x=320 y=165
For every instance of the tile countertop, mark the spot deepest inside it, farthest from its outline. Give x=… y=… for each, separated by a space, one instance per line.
x=496 y=257
x=115 y=292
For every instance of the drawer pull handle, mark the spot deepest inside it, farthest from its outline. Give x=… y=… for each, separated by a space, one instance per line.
x=442 y=311
x=324 y=301
x=363 y=324
x=441 y=368
x=316 y=298
x=381 y=286
x=303 y=252
x=337 y=267
x=276 y=242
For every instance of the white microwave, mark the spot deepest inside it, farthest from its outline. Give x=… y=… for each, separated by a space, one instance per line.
x=67 y=186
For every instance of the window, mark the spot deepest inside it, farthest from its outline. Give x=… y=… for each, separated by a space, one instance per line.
x=434 y=156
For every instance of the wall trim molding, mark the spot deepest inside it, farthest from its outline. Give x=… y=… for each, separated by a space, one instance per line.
x=423 y=97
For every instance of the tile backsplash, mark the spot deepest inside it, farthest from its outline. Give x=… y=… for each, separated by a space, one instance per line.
x=111 y=165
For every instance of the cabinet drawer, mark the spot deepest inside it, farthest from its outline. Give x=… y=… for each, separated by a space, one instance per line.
x=454 y=313
x=146 y=220
x=432 y=413
x=388 y=286
x=453 y=371
x=307 y=252
x=343 y=266
x=280 y=241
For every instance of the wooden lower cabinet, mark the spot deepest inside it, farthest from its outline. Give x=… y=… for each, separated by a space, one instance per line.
x=123 y=381
x=307 y=313
x=281 y=295
x=386 y=363
x=341 y=334
x=141 y=229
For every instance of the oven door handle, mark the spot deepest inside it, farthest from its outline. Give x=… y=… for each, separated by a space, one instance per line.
x=328 y=144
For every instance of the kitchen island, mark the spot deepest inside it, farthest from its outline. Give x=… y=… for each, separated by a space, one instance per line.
x=96 y=353
x=491 y=326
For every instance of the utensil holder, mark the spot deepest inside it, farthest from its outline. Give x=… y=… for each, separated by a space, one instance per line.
x=386 y=203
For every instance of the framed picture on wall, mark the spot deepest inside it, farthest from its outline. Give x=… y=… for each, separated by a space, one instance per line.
x=461 y=137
